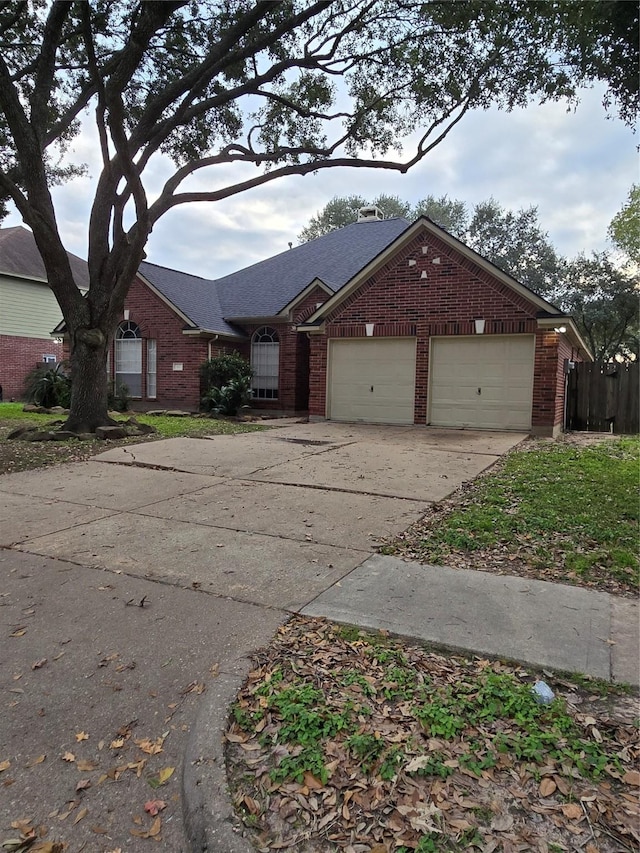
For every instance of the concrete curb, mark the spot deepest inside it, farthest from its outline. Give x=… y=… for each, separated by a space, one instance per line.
x=210 y=823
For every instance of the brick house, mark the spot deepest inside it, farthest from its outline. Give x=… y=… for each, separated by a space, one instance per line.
x=28 y=309
x=382 y=321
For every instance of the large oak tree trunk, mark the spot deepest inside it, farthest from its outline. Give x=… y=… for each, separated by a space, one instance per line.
x=89 y=386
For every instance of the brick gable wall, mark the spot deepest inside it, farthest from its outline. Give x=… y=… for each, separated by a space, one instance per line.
x=399 y=302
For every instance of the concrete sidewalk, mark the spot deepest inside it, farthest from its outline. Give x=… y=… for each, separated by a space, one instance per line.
x=135 y=586
x=545 y=624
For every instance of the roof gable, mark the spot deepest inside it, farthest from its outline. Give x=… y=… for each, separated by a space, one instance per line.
x=195 y=298
x=450 y=241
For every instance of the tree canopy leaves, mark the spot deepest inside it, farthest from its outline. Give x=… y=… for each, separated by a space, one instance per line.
x=624 y=231
x=603 y=299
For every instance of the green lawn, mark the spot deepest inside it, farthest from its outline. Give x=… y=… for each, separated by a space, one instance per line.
x=557 y=509
x=21 y=456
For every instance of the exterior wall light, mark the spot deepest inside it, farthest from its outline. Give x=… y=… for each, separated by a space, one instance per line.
x=560 y=330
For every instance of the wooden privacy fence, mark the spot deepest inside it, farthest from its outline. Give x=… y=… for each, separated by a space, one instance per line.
x=603 y=397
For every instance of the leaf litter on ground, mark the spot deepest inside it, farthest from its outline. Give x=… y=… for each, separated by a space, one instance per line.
x=343 y=741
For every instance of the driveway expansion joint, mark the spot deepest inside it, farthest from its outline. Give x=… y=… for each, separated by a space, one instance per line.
x=342 y=490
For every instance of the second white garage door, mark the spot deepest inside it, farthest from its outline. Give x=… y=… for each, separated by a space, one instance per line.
x=482 y=382
x=372 y=380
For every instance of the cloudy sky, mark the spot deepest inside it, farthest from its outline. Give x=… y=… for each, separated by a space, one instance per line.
x=577 y=167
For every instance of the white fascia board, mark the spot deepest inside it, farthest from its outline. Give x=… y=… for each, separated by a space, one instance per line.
x=211 y=333
x=24 y=277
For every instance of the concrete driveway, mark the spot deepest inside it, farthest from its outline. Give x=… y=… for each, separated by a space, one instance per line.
x=107 y=626
x=271 y=518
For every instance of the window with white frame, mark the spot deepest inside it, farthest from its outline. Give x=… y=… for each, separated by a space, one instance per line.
x=265 y=360
x=152 y=368
x=128 y=358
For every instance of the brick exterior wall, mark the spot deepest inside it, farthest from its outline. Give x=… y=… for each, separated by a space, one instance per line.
x=454 y=293
x=18 y=356
x=182 y=389
x=175 y=389
x=293 y=380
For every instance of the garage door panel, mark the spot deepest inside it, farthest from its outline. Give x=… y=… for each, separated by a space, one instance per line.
x=372 y=380
x=482 y=382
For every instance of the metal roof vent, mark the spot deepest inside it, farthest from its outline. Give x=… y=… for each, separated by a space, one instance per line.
x=370 y=214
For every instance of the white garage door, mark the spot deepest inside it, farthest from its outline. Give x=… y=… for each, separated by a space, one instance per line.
x=372 y=380
x=482 y=382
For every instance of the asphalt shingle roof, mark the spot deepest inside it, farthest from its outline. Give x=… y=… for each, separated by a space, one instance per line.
x=263 y=289
x=195 y=297
x=19 y=255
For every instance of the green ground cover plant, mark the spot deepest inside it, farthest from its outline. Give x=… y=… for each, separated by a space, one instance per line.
x=22 y=456
x=553 y=510
x=438 y=752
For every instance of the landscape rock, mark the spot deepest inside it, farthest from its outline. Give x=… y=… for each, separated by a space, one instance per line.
x=145 y=429
x=112 y=432
x=176 y=413
x=38 y=435
x=19 y=431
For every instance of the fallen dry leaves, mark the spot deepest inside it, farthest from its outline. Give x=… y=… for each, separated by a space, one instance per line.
x=413 y=790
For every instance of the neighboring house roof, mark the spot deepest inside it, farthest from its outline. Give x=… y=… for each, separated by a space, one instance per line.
x=19 y=256
x=265 y=288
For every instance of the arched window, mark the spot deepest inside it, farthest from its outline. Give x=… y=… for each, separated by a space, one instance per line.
x=128 y=359
x=265 y=359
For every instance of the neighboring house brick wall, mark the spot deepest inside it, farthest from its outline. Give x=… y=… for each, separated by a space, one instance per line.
x=28 y=313
x=455 y=292
x=18 y=356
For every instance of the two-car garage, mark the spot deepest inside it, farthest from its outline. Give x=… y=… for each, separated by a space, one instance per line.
x=429 y=332
x=478 y=382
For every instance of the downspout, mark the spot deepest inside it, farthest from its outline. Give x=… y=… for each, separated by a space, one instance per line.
x=209 y=342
